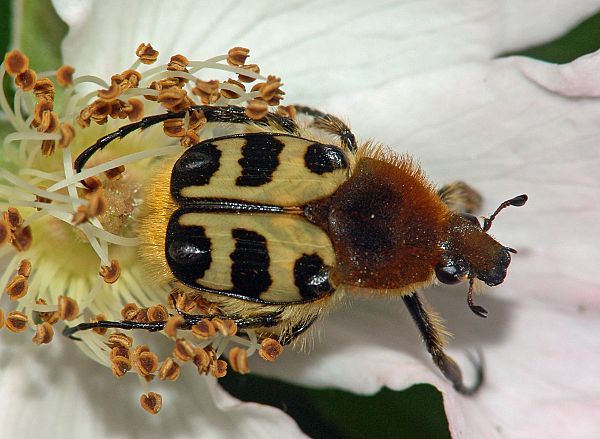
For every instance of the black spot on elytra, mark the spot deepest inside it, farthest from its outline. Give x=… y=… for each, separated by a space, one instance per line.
x=311 y=276
x=250 y=264
x=188 y=251
x=321 y=158
x=260 y=158
x=194 y=168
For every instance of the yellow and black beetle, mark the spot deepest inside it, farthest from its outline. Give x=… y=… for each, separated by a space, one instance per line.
x=272 y=225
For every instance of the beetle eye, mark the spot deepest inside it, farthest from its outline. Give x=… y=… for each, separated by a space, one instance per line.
x=471 y=218
x=449 y=274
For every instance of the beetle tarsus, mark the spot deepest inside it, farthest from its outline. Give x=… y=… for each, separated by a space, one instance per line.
x=331 y=124
x=431 y=330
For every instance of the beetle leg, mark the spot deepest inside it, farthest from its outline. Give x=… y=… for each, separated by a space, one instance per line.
x=296 y=332
x=226 y=114
x=263 y=321
x=330 y=124
x=460 y=197
x=432 y=332
x=149 y=326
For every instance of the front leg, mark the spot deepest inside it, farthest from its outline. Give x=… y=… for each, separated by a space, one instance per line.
x=432 y=332
x=460 y=197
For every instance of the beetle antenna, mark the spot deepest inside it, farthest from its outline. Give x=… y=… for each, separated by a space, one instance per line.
x=479 y=310
x=517 y=201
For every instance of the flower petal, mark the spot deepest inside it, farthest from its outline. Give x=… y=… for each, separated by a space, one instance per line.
x=505 y=135
x=576 y=79
x=41 y=391
x=493 y=126
x=359 y=44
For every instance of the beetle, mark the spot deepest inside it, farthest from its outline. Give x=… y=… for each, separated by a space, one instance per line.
x=273 y=225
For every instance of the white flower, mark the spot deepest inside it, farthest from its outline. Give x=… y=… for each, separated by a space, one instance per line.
x=421 y=77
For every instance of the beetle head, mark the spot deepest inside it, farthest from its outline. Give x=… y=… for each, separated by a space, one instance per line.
x=470 y=253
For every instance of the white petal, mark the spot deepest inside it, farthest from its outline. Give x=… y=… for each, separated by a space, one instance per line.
x=319 y=49
x=537 y=21
x=492 y=126
x=576 y=79
x=53 y=390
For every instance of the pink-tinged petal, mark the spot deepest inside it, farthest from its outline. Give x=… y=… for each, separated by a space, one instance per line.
x=318 y=49
x=45 y=392
x=494 y=127
x=576 y=79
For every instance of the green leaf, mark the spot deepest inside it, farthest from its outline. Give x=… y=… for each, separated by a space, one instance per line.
x=39 y=33
x=582 y=39
x=414 y=413
x=5 y=25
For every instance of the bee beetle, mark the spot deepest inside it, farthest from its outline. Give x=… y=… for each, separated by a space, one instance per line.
x=274 y=225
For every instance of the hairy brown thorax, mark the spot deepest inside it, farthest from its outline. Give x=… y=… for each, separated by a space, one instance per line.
x=386 y=223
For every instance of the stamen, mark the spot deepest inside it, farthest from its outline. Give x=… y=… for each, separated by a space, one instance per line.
x=270 y=349
x=169 y=370
x=43 y=333
x=138 y=156
x=16 y=321
x=68 y=309
x=151 y=402
x=238 y=359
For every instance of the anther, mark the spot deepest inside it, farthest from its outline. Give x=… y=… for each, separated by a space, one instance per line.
x=208 y=91
x=15 y=62
x=5 y=232
x=270 y=349
x=147 y=363
x=135 y=110
x=238 y=359
x=44 y=89
x=43 y=333
x=99 y=318
x=120 y=366
x=17 y=287
x=47 y=316
x=169 y=370
x=218 y=369
x=22 y=239
x=26 y=80
x=24 y=268
x=227 y=328
x=252 y=68
x=68 y=309
x=230 y=94
x=178 y=63
x=236 y=56
x=146 y=53
x=13 y=217
x=64 y=76
x=120 y=339
x=204 y=329
x=111 y=273
x=16 y=321
x=173 y=323
x=288 y=111
x=257 y=109
x=202 y=360
x=158 y=313
x=184 y=350
x=151 y=402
